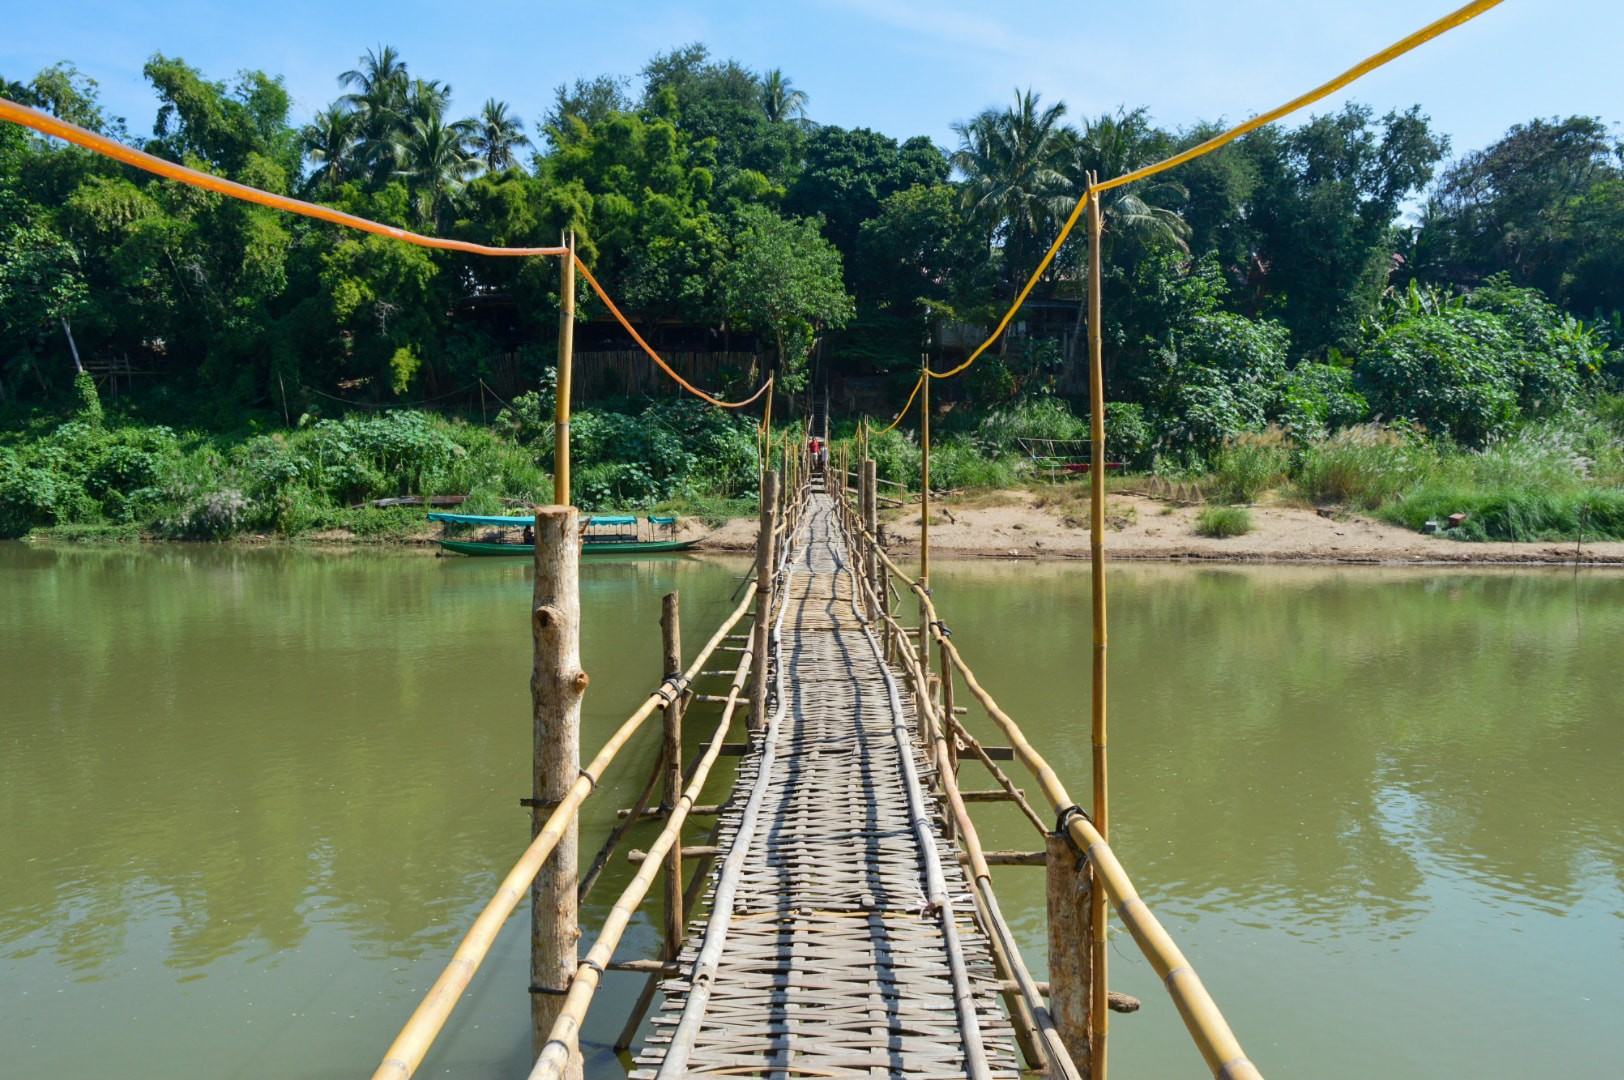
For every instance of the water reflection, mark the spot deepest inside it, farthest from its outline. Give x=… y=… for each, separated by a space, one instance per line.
x=251 y=798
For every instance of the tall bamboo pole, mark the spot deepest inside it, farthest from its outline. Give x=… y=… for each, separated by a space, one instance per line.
x=566 y=364
x=671 y=639
x=868 y=506
x=757 y=719
x=556 y=685
x=1096 y=470
x=924 y=509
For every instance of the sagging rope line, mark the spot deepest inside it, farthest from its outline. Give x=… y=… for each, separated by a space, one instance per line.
x=101 y=144
x=652 y=355
x=1365 y=67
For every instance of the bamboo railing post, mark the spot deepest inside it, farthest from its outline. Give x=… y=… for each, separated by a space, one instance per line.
x=757 y=720
x=556 y=686
x=924 y=512
x=1070 y=893
x=671 y=639
x=566 y=363
x=1096 y=468
x=869 y=509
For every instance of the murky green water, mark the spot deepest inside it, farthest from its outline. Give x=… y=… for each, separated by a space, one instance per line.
x=250 y=800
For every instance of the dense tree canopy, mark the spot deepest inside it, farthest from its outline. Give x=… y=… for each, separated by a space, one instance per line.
x=1255 y=284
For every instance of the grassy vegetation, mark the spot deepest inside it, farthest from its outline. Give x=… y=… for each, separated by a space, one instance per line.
x=116 y=475
x=1224 y=521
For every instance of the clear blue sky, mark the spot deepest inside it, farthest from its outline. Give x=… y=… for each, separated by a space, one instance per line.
x=904 y=67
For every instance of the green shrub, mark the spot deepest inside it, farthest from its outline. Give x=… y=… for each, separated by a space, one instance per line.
x=1453 y=373
x=1035 y=418
x=1224 y=521
x=1316 y=399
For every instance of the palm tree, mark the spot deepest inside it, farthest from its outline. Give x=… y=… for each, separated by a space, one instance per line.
x=1109 y=146
x=330 y=139
x=1012 y=163
x=379 y=95
x=779 y=98
x=497 y=135
x=379 y=68
x=434 y=159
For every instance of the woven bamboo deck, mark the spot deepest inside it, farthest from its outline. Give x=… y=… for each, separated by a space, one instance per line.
x=820 y=954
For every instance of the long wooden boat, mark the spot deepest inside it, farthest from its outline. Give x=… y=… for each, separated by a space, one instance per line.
x=621 y=547
x=615 y=542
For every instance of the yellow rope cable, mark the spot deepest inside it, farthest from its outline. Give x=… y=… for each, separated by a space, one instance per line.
x=610 y=304
x=1392 y=52
x=50 y=125
x=906 y=407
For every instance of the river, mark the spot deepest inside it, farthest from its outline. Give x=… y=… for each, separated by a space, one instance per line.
x=250 y=800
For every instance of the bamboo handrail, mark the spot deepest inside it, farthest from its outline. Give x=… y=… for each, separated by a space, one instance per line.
x=1206 y=1024
x=406 y=1053
x=555 y=1056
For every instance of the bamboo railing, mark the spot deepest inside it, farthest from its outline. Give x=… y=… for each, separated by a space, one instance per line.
x=1208 y=1029
x=406 y=1053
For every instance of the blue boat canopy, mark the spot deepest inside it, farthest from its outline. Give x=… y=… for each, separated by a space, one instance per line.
x=477 y=519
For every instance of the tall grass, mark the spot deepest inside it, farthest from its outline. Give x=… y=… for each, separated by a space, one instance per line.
x=1363 y=466
x=1249 y=464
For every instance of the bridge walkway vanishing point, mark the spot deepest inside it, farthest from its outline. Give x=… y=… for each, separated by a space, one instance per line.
x=840 y=939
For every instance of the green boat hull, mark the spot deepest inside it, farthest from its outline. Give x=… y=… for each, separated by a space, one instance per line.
x=627 y=547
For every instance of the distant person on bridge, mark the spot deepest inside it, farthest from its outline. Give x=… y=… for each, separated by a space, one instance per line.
x=819 y=454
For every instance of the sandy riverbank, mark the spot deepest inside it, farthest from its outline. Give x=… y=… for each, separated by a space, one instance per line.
x=1021 y=524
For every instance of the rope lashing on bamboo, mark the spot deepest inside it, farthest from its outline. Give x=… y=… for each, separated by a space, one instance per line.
x=169 y=170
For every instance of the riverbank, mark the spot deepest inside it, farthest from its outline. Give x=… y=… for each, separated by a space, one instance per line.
x=1028 y=525
x=1020 y=524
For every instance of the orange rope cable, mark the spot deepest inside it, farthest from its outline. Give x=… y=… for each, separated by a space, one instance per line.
x=1392 y=52
x=101 y=144
x=652 y=355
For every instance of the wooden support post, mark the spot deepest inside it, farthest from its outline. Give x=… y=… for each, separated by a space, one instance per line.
x=1071 y=956
x=556 y=686
x=566 y=357
x=757 y=719
x=671 y=640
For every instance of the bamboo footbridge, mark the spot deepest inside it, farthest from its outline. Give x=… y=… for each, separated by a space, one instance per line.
x=841 y=939
x=840 y=920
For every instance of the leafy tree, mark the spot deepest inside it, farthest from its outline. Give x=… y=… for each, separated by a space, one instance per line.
x=784 y=278
x=226 y=129
x=1452 y=372
x=591 y=101
x=920 y=258
x=1525 y=206
x=1321 y=215
x=847 y=175
x=1214 y=380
